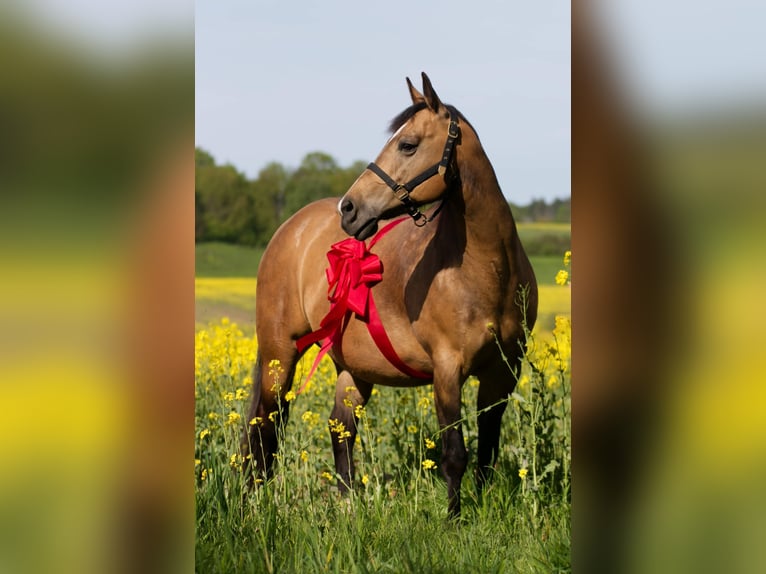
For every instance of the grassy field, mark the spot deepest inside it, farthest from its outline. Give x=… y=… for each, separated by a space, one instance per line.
x=395 y=519
x=545 y=238
x=225 y=260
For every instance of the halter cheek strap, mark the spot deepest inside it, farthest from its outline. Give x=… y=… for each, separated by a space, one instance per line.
x=402 y=191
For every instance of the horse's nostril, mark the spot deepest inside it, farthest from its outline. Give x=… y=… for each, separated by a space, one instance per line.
x=347 y=206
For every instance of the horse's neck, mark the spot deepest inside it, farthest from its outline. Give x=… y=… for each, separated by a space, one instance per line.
x=484 y=211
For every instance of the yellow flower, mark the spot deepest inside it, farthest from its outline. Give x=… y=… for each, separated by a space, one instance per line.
x=348 y=403
x=273 y=416
x=338 y=428
x=235 y=461
x=311 y=418
x=336 y=425
x=275 y=372
x=256 y=421
x=289 y=396
x=523 y=473
x=228 y=397
x=430 y=443
x=212 y=416
x=359 y=411
x=241 y=394
x=197 y=462
x=304 y=456
x=412 y=429
x=424 y=403
x=365 y=479
x=563 y=325
x=562 y=277
x=428 y=464
x=233 y=418
x=327 y=476
x=205 y=473
x=203 y=433
x=567 y=258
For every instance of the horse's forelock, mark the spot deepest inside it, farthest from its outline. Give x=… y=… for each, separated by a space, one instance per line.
x=408 y=113
x=405 y=116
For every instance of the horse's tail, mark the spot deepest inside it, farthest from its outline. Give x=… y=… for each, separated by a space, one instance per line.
x=248 y=446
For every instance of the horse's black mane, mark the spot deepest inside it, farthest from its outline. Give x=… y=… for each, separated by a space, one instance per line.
x=407 y=114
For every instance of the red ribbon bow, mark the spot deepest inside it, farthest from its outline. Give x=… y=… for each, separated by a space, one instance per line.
x=353 y=271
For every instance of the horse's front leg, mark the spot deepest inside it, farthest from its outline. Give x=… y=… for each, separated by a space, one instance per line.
x=269 y=409
x=447 y=385
x=349 y=394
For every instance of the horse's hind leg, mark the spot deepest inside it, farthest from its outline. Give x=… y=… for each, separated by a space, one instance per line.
x=350 y=393
x=272 y=379
x=495 y=386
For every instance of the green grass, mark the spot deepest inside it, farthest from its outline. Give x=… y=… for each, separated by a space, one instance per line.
x=274 y=531
x=397 y=521
x=545 y=239
x=225 y=260
x=546 y=267
x=527 y=230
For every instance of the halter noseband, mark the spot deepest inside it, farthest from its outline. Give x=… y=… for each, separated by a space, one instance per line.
x=402 y=191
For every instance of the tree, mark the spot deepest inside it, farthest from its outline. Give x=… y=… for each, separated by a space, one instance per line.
x=270 y=189
x=202 y=158
x=311 y=181
x=226 y=204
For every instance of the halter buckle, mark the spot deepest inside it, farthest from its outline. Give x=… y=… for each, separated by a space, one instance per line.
x=454 y=130
x=405 y=195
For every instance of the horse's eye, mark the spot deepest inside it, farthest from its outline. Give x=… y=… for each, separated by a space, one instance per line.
x=407 y=148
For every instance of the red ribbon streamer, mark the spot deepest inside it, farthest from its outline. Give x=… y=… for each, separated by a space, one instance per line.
x=352 y=273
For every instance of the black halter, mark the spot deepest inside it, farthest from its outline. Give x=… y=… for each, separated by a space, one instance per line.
x=402 y=191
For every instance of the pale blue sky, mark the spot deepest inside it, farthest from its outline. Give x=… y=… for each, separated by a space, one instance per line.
x=276 y=80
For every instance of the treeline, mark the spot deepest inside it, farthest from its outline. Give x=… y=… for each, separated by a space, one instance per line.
x=231 y=208
x=559 y=211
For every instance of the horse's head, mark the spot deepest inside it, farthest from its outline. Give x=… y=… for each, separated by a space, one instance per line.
x=415 y=166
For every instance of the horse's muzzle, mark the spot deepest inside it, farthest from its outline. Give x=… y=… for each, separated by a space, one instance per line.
x=355 y=222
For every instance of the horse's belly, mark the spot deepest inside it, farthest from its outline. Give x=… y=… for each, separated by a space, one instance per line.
x=364 y=360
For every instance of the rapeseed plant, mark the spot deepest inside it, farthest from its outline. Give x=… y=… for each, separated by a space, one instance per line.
x=397 y=452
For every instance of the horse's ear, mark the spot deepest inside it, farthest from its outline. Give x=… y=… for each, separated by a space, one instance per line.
x=431 y=98
x=416 y=96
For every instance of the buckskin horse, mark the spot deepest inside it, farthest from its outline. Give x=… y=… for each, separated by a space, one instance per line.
x=445 y=289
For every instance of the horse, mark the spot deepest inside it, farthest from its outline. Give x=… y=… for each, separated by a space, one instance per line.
x=448 y=297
